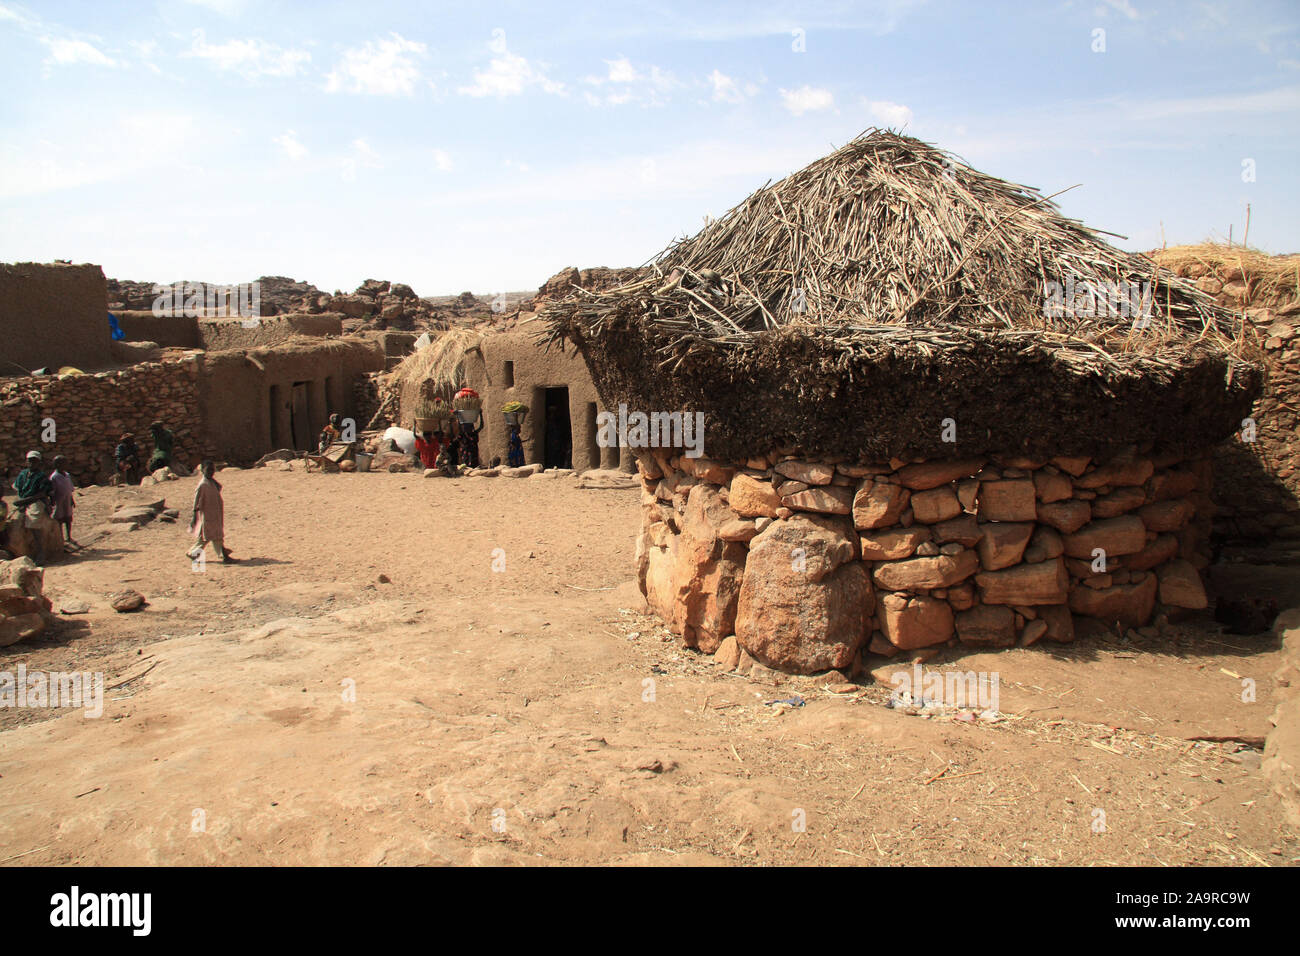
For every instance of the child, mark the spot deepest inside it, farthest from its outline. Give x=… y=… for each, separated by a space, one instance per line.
x=64 y=503
x=208 y=521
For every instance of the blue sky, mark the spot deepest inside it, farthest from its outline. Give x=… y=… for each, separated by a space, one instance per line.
x=485 y=146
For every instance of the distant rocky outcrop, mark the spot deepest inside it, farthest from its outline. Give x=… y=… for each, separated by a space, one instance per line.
x=595 y=279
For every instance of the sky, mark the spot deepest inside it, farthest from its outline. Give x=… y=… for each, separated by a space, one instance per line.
x=485 y=146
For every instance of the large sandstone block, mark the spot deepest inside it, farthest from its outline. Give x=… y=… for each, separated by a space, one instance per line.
x=1180 y=586
x=1066 y=517
x=892 y=545
x=1170 y=515
x=1025 y=584
x=1123 y=535
x=793 y=623
x=1003 y=543
x=932 y=474
x=1052 y=487
x=965 y=531
x=935 y=505
x=830 y=499
x=809 y=472
x=1133 y=471
x=707 y=571
x=1156 y=552
x=753 y=498
x=919 y=574
x=910 y=623
x=878 y=504
x=1008 y=500
x=1128 y=605
x=987 y=626
x=1118 y=502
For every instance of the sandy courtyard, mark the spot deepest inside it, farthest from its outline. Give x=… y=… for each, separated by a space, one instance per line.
x=410 y=671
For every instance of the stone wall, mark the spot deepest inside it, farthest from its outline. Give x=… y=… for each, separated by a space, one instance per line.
x=52 y=316
x=810 y=564
x=1257 y=484
x=90 y=412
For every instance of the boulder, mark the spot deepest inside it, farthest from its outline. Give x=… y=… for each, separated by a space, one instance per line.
x=878 y=504
x=1003 y=543
x=940 y=571
x=1028 y=584
x=1125 y=605
x=707 y=572
x=793 y=623
x=1008 y=500
x=21 y=627
x=127 y=601
x=911 y=623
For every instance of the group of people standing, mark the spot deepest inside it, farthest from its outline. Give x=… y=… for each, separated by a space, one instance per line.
x=457 y=444
x=53 y=490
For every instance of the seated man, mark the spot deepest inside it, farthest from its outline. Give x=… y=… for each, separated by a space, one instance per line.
x=127 y=456
x=32 y=483
x=162 y=447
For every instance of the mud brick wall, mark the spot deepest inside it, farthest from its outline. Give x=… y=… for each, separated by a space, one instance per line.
x=90 y=412
x=51 y=316
x=810 y=564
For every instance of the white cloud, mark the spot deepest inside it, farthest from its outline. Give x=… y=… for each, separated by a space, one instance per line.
x=381 y=67
x=1123 y=6
x=894 y=115
x=249 y=58
x=807 y=99
x=363 y=156
x=509 y=74
x=292 y=146
x=1282 y=100
x=442 y=161
x=725 y=89
x=64 y=51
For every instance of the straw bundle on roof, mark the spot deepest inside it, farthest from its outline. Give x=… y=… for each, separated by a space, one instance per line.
x=852 y=306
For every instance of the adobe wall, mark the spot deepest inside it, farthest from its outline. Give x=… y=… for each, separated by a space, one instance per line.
x=248 y=393
x=52 y=315
x=217 y=334
x=180 y=332
x=534 y=370
x=811 y=564
x=90 y=412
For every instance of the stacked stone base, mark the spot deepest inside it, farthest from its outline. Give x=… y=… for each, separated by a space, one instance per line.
x=811 y=564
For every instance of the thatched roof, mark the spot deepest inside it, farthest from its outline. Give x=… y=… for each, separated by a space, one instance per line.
x=889 y=285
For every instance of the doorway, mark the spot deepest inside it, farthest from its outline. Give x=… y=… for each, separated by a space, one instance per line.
x=300 y=417
x=557 y=450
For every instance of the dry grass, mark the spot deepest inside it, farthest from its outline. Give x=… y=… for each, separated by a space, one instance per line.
x=890 y=241
x=1268 y=276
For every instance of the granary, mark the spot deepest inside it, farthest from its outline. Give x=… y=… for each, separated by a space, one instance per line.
x=936 y=410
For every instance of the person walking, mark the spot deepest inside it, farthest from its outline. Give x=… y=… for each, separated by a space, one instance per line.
x=207 y=523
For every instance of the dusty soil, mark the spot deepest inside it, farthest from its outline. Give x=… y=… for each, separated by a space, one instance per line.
x=296 y=709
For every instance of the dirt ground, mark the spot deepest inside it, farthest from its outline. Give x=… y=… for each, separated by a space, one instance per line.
x=365 y=688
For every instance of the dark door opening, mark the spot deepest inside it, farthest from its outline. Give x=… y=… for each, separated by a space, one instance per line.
x=558 y=449
x=300 y=418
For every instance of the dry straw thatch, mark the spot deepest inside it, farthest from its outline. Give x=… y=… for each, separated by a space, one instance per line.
x=435 y=371
x=889 y=283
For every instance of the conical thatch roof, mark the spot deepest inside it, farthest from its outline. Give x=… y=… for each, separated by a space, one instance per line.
x=889 y=283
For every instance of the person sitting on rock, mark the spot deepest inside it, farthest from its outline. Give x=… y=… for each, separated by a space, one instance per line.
x=331 y=433
x=207 y=523
x=127 y=456
x=32 y=484
x=64 y=504
x=162 y=447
